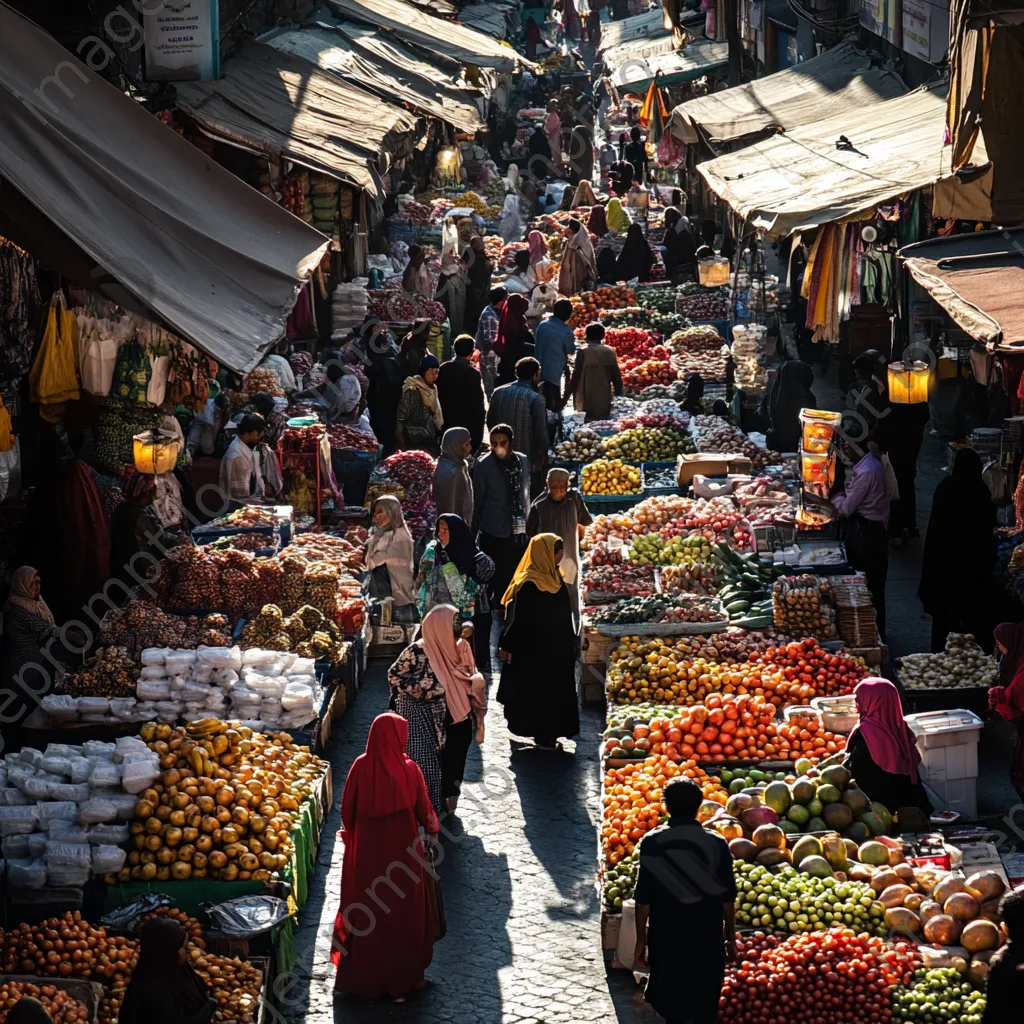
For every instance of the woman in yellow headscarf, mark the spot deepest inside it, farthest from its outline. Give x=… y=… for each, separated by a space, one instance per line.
x=538 y=648
x=616 y=217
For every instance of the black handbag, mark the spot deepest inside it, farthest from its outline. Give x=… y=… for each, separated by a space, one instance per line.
x=379 y=582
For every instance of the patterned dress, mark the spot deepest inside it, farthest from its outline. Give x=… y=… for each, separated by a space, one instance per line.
x=418 y=696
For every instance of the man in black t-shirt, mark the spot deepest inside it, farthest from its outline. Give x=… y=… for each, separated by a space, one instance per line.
x=636 y=154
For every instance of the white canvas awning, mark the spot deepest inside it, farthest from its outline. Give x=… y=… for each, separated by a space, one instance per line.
x=838 y=80
x=635 y=65
x=810 y=176
x=615 y=33
x=460 y=42
x=103 y=192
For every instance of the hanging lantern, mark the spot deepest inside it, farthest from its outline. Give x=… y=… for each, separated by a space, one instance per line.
x=908 y=382
x=817 y=427
x=156 y=451
x=448 y=170
x=818 y=470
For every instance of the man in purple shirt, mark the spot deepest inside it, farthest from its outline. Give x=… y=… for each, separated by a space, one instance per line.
x=864 y=504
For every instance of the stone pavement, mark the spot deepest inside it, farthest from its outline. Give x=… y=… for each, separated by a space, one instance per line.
x=523 y=943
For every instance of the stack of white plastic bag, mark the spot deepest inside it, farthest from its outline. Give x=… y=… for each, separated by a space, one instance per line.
x=264 y=689
x=64 y=811
x=348 y=306
x=61 y=708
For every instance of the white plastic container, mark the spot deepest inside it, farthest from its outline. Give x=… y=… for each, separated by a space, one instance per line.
x=948 y=743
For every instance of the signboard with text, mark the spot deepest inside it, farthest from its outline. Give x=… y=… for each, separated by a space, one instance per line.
x=926 y=29
x=183 y=41
x=884 y=18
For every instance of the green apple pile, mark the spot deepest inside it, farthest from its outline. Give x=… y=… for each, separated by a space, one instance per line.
x=936 y=995
x=656 y=549
x=620 y=881
x=785 y=900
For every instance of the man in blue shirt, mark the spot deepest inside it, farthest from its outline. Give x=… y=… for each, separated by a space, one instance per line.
x=554 y=342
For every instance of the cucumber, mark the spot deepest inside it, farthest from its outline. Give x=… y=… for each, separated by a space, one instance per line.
x=737 y=606
x=753 y=622
x=751 y=580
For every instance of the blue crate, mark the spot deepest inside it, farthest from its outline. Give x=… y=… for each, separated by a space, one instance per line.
x=607 y=504
x=649 y=491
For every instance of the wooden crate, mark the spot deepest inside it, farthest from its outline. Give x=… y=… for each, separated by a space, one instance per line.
x=597 y=646
x=592 y=686
x=610 y=925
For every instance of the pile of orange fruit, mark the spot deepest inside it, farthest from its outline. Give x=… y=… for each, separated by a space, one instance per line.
x=807 y=737
x=632 y=800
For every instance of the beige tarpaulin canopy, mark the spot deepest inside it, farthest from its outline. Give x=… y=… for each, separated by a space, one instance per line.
x=978 y=279
x=286 y=107
x=838 y=80
x=635 y=65
x=462 y=43
x=335 y=50
x=811 y=176
x=103 y=192
x=615 y=33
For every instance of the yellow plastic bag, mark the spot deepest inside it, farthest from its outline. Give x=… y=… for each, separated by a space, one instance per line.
x=53 y=378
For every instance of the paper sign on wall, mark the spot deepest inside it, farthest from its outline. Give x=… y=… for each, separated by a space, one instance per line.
x=183 y=41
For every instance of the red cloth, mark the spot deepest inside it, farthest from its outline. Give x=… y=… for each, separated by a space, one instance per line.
x=889 y=740
x=1008 y=697
x=512 y=326
x=84 y=538
x=383 y=938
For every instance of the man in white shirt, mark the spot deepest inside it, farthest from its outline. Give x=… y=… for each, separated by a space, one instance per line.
x=240 y=475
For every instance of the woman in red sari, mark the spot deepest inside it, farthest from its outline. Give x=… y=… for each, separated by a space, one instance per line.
x=1007 y=699
x=384 y=950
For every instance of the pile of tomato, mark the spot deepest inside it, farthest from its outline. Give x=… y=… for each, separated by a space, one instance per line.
x=801 y=670
x=837 y=977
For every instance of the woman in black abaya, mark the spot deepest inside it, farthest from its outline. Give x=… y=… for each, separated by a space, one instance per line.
x=787 y=394
x=538 y=648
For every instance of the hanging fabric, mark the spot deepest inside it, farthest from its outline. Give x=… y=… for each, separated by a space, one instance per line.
x=20 y=310
x=160 y=366
x=653 y=114
x=6 y=436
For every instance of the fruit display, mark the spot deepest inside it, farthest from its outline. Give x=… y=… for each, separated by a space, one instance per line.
x=301 y=440
x=631 y=342
x=397 y=304
x=962 y=664
x=700 y=577
x=192 y=927
x=307 y=632
x=251 y=542
x=627 y=316
x=938 y=994
x=588 y=304
x=603 y=581
x=140 y=624
x=745 y=589
x=805 y=606
x=618 y=881
x=249 y=516
x=348 y=438
x=656 y=549
x=639 y=374
x=110 y=672
x=648 y=444
x=714 y=434
x=712 y=305
x=837 y=974
x=224 y=805
x=648 y=516
x=62 y=1007
x=583 y=446
x=660 y=608
x=684 y=671
x=632 y=803
x=409 y=474
x=696 y=338
x=658 y=300
x=798 y=903
x=815 y=801
x=610 y=476
x=676 y=420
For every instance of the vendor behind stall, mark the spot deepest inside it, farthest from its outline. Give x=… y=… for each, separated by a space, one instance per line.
x=389 y=555
x=241 y=478
x=136 y=529
x=882 y=756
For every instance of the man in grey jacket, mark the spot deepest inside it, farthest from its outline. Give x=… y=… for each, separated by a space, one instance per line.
x=501 y=502
x=453 y=488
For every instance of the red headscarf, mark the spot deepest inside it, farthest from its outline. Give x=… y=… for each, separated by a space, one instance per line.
x=538 y=247
x=512 y=327
x=598 y=223
x=890 y=742
x=383 y=781
x=1008 y=697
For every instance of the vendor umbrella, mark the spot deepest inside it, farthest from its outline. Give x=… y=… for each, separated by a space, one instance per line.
x=654 y=113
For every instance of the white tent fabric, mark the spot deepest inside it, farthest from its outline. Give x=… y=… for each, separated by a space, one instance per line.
x=809 y=176
x=333 y=50
x=99 y=189
x=615 y=33
x=634 y=65
x=838 y=80
x=465 y=44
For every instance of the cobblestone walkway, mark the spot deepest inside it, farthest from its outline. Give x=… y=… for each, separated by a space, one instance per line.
x=523 y=941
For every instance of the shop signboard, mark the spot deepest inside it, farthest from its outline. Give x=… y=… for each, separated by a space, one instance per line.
x=182 y=40
x=884 y=18
x=926 y=29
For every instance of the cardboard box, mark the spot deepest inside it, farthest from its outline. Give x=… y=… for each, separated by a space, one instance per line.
x=707 y=464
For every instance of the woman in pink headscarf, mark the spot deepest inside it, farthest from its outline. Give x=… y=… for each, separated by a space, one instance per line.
x=553 y=131
x=539 y=262
x=452 y=662
x=1007 y=699
x=881 y=752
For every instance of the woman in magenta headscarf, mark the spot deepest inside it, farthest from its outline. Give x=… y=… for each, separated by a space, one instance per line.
x=1007 y=699
x=540 y=264
x=881 y=752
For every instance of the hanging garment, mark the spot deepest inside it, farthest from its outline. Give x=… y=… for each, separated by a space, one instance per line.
x=6 y=437
x=20 y=308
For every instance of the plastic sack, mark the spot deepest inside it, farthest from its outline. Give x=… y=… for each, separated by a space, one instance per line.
x=18 y=820
x=107 y=859
x=37 y=844
x=60 y=706
x=256 y=656
x=58 y=810
x=151 y=689
x=67 y=832
x=113 y=835
x=129 y=744
x=97 y=811
x=98 y=748
x=169 y=707
x=104 y=774
x=26 y=874
x=303 y=666
x=63 y=875
x=296 y=697
x=193 y=691
x=153 y=656
x=68 y=750
x=139 y=775
x=124 y=920
x=124 y=805
x=15 y=847
x=287 y=659
x=80 y=769
x=224 y=677
x=93 y=706
x=19 y=776
x=247 y=916
x=135 y=756
x=243 y=695
x=97 y=718
x=3 y=778
x=53 y=765
x=154 y=672
x=13 y=798
x=76 y=791
x=123 y=708
x=178 y=662
x=219 y=657
x=31 y=757
x=68 y=854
